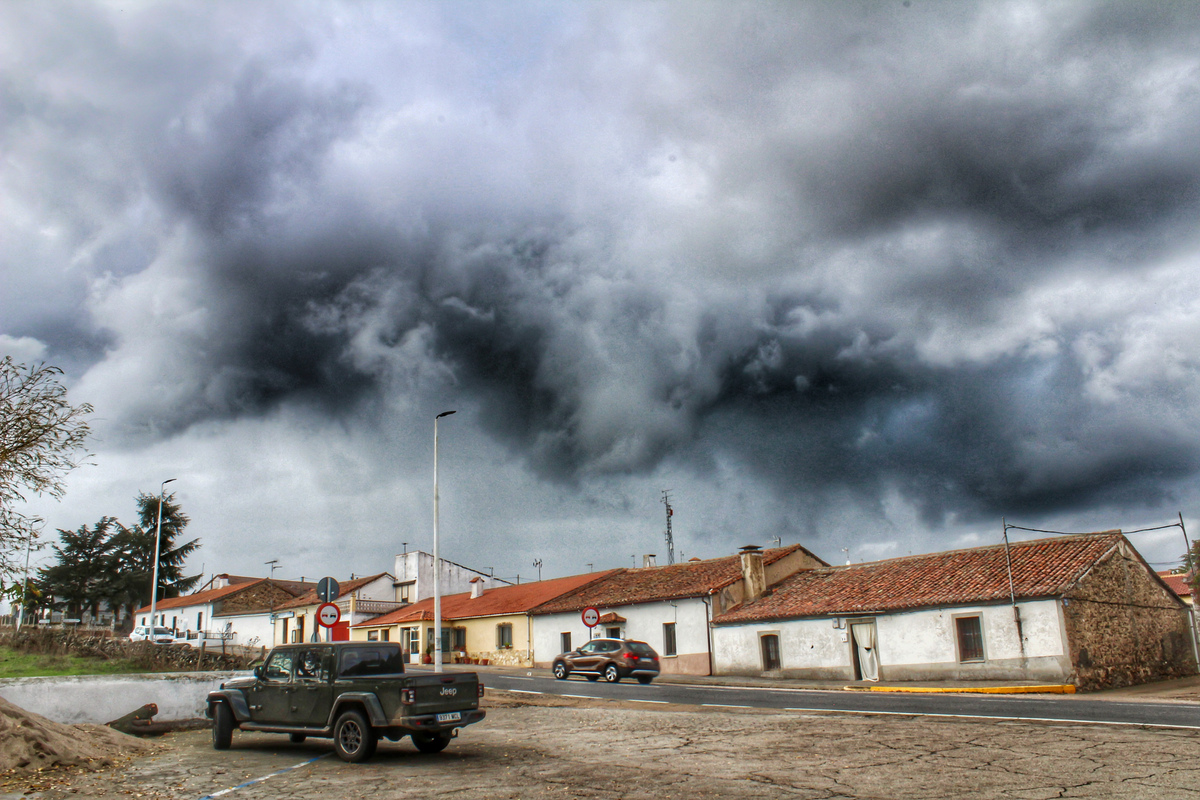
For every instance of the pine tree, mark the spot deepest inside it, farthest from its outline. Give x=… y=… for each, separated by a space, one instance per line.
x=78 y=581
x=131 y=566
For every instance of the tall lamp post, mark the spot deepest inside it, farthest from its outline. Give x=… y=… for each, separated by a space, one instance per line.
x=157 y=541
x=25 y=583
x=437 y=561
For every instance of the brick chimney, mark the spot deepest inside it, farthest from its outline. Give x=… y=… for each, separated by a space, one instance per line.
x=476 y=587
x=754 y=576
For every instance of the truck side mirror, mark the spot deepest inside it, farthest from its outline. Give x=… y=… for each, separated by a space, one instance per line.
x=258 y=671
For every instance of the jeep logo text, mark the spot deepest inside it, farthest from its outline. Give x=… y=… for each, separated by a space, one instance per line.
x=449 y=691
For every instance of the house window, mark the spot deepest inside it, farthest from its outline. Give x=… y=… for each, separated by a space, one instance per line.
x=372 y=636
x=404 y=592
x=200 y=621
x=504 y=635
x=386 y=635
x=669 y=638
x=565 y=642
x=970 y=638
x=460 y=639
x=769 y=642
x=613 y=633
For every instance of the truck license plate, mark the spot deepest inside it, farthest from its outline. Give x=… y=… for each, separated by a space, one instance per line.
x=453 y=716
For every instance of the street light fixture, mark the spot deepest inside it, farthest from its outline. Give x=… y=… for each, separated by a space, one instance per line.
x=25 y=583
x=157 y=541
x=437 y=562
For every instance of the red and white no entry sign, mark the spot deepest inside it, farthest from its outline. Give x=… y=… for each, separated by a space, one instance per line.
x=328 y=614
x=591 y=616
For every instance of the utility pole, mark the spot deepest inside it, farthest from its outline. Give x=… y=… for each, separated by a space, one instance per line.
x=666 y=498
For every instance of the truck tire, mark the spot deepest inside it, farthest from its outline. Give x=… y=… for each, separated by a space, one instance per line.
x=431 y=742
x=354 y=739
x=222 y=728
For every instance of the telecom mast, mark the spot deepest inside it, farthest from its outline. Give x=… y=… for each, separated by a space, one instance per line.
x=666 y=498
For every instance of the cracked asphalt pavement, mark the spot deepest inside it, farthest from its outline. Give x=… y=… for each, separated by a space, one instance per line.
x=546 y=748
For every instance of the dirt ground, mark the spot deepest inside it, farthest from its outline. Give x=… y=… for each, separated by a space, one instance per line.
x=544 y=748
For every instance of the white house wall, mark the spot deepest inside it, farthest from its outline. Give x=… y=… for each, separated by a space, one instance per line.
x=644 y=622
x=418 y=566
x=912 y=645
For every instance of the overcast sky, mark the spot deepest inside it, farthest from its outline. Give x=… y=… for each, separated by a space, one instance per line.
x=872 y=276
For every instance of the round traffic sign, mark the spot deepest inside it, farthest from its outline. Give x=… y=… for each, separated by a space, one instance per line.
x=591 y=616
x=328 y=614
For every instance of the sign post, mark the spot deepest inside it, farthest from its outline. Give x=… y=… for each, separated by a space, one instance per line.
x=328 y=591
x=591 y=618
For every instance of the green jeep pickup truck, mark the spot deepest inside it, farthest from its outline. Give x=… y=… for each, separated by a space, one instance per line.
x=354 y=692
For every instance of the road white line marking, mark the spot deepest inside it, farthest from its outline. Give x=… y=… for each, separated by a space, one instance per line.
x=584 y=696
x=522 y=691
x=722 y=705
x=991 y=718
x=224 y=792
x=635 y=700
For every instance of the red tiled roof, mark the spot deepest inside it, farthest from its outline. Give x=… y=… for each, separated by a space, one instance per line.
x=1040 y=568
x=309 y=598
x=494 y=601
x=1177 y=583
x=650 y=584
x=610 y=618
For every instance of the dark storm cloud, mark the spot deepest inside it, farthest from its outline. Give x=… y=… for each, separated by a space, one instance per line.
x=833 y=244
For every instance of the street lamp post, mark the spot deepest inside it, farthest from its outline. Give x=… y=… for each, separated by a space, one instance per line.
x=157 y=541
x=25 y=583
x=437 y=562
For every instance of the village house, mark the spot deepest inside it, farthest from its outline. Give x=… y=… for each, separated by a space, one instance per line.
x=232 y=609
x=359 y=599
x=414 y=577
x=1081 y=609
x=484 y=625
x=668 y=607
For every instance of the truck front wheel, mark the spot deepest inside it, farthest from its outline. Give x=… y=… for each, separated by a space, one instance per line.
x=354 y=739
x=222 y=726
x=431 y=742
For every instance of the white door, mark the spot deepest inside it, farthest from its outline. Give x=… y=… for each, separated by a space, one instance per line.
x=864 y=644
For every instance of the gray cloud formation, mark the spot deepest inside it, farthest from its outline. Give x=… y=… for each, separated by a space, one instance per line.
x=941 y=250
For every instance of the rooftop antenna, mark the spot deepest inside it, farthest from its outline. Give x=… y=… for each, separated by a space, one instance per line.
x=846 y=550
x=778 y=541
x=537 y=562
x=272 y=564
x=590 y=565
x=666 y=498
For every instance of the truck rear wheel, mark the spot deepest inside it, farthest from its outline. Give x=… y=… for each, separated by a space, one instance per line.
x=431 y=742
x=222 y=726
x=354 y=739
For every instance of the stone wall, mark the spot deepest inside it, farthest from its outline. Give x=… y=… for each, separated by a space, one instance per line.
x=258 y=597
x=1124 y=627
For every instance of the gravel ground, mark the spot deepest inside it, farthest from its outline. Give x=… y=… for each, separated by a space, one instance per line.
x=544 y=748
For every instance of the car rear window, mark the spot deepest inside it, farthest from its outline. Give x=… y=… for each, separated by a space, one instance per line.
x=359 y=661
x=641 y=648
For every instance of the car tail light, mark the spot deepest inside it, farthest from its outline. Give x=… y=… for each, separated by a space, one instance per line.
x=631 y=655
x=481 y=690
x=408 y=696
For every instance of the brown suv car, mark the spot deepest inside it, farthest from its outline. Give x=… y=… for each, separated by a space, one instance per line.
x=611 y=659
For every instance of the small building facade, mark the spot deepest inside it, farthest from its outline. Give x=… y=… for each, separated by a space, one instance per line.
x=359 y=599
x=668 y=607
x=236 y=611
x=1085 y=610
x=488 y=624
x=414 y=577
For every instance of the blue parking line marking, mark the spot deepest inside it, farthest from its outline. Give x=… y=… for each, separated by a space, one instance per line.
x=231 y=789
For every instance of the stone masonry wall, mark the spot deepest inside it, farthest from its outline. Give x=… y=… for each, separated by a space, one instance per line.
x=256 y=598
x=1124 y=627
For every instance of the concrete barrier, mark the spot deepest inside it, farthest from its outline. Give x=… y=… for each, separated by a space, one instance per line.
x=102 y=698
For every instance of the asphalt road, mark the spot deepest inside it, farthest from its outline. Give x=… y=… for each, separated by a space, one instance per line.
x=1045 y=708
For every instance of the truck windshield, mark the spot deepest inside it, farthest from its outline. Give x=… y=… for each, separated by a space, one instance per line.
x=360 y=661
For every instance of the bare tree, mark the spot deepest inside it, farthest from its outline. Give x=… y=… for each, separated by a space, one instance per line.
x=41 y=440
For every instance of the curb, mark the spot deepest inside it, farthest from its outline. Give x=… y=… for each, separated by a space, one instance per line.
x=1052 y=689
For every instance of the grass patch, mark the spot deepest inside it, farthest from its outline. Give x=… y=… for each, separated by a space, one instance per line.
x=15 y=664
